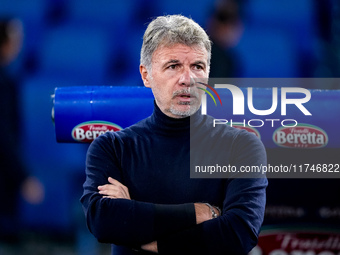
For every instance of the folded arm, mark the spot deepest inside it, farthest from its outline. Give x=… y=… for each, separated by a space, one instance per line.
x=114 y=189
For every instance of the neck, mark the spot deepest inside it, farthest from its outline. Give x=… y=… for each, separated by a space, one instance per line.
x=169 y=125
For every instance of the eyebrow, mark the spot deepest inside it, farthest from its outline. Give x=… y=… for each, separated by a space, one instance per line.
x=176 y=61
x=200 y=63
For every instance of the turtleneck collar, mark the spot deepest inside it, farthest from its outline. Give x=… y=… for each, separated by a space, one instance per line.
x=162 y=123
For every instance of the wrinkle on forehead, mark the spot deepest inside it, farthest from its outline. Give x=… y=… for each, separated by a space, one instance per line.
x=172 y=51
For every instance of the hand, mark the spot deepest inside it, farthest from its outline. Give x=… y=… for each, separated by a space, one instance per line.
x=114 y=190
x=150 y=247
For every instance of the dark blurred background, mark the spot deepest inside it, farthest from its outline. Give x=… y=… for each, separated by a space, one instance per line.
x=86 y=42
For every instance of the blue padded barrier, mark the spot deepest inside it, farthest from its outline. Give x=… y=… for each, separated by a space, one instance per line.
x=103 y=108
x=122 y=106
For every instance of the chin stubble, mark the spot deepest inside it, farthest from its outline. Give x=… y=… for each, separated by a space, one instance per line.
x=193 y=106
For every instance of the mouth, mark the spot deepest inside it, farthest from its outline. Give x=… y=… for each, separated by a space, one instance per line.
x=185 y=96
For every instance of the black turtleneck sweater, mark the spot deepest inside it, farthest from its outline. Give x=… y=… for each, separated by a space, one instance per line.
x=152 y=158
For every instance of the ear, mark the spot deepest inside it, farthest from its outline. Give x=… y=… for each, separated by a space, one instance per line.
x=145 y=75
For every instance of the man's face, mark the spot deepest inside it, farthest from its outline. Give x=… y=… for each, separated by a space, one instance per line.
x=174 y=70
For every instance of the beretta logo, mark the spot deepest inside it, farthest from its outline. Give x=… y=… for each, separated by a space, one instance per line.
x=247 y=128
x=88 y=131
x=293 y=241
x=300 y=136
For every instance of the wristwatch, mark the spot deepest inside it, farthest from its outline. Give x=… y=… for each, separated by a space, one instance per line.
x=213 y=213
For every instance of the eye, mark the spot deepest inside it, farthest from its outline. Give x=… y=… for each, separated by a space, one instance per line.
x=172 y=66
x=198 y=67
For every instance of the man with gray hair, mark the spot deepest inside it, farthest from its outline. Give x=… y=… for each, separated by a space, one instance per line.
x=162 y=36
x=138 y=194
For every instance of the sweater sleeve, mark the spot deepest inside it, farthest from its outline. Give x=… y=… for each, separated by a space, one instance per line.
x=122 y=221
x=236 y=230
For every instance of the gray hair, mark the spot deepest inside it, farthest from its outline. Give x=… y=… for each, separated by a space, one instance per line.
x=169 y=30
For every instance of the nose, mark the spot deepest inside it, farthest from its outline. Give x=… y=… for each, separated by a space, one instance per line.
x=186 y=78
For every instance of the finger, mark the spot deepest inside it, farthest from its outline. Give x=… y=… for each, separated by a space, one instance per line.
x=114 y=181
x=115 y=191
x=126 y=192
x=113 y=194
x=109 y=189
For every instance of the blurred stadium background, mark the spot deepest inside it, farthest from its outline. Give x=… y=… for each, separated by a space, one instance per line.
x=87 y=42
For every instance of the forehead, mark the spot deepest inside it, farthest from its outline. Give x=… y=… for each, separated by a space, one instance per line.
x=180 y=52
